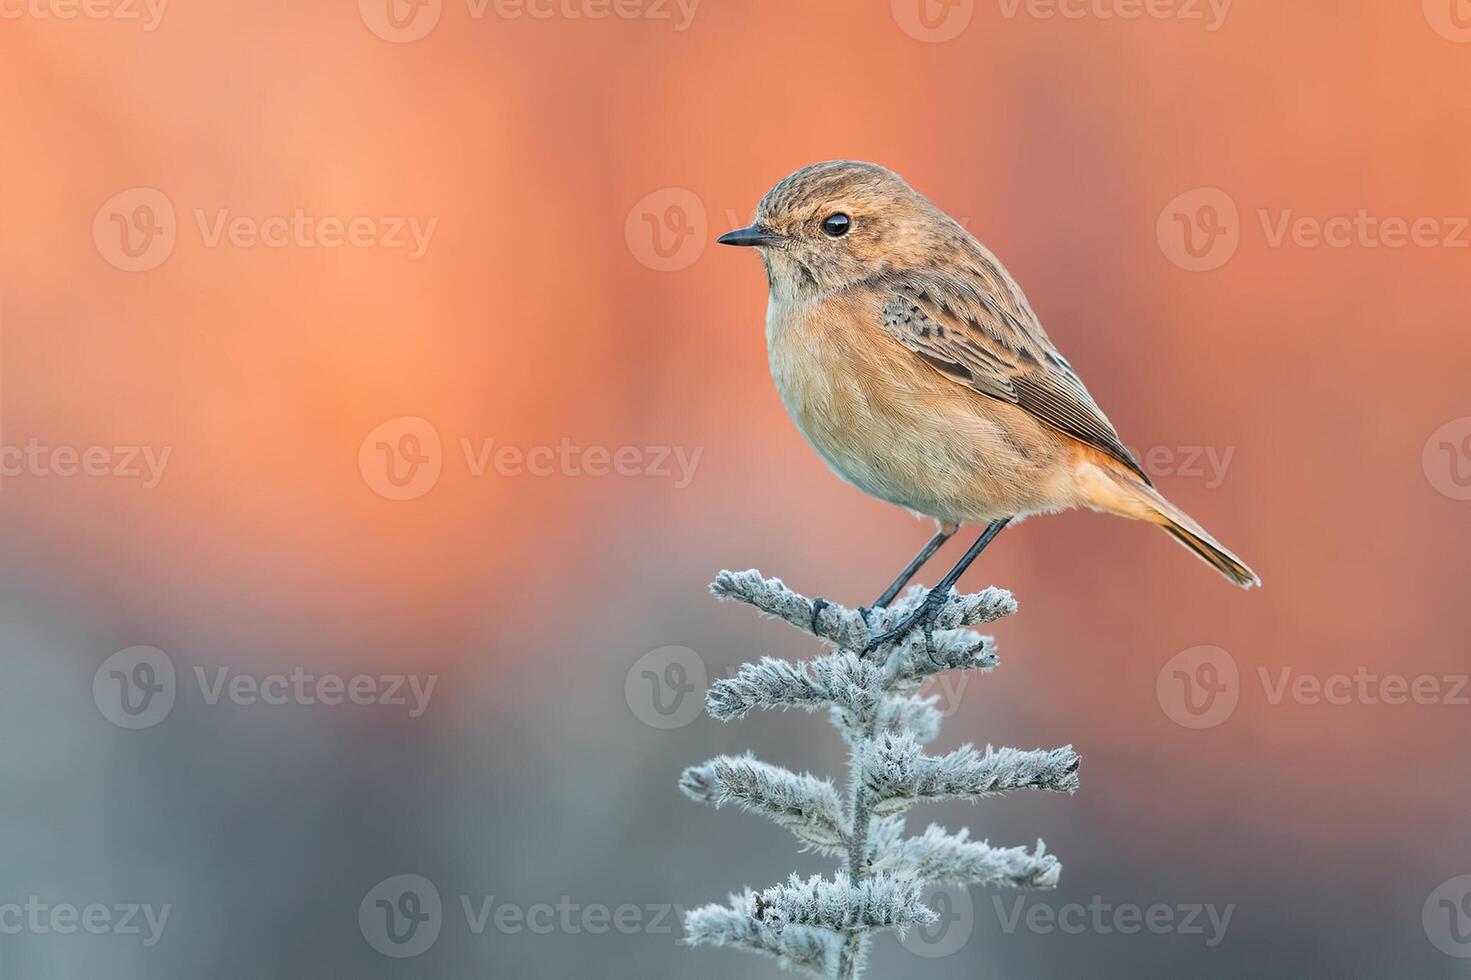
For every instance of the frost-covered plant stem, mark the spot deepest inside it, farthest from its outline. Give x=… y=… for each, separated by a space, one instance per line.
x=855 y=944
x=853 y=956
x=823 y=926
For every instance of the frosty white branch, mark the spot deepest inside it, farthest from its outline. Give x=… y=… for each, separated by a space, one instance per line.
x=847 y=627
x=944 y=858
x=913 y=714
x=806 y=805
x=822 y=926
x=795 y=947
x=841 y=679
x=897 y=774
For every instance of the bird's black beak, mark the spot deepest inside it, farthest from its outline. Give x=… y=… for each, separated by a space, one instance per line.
x=754 y=235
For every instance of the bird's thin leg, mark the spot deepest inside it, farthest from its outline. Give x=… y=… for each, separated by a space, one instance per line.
x=924 y=615
x=945 y=533
x=912 y=569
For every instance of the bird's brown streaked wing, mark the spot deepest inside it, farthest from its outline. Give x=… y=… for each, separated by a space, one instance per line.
x=998 y=349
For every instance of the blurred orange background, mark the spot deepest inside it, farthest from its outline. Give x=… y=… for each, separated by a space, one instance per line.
x=576 y=170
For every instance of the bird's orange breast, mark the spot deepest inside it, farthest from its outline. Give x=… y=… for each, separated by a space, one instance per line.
x=893 y=426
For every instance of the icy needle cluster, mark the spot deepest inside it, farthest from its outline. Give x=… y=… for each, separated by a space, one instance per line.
x=821 y=926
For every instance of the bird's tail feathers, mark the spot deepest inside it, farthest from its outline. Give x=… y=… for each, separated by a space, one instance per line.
x=1129 y=497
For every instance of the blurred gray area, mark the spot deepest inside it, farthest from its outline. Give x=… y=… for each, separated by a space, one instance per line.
x=264 y=827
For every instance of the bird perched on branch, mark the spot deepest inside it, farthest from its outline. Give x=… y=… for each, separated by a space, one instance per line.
x=912 y=362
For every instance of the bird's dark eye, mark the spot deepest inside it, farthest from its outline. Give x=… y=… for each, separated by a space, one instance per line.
x=836 y=225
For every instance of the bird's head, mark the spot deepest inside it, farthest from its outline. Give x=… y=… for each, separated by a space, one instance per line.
x=835 y=223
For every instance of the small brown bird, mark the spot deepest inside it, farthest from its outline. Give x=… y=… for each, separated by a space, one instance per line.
x=912 y=362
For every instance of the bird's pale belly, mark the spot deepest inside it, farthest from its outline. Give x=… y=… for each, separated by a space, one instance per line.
x=901 y=432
